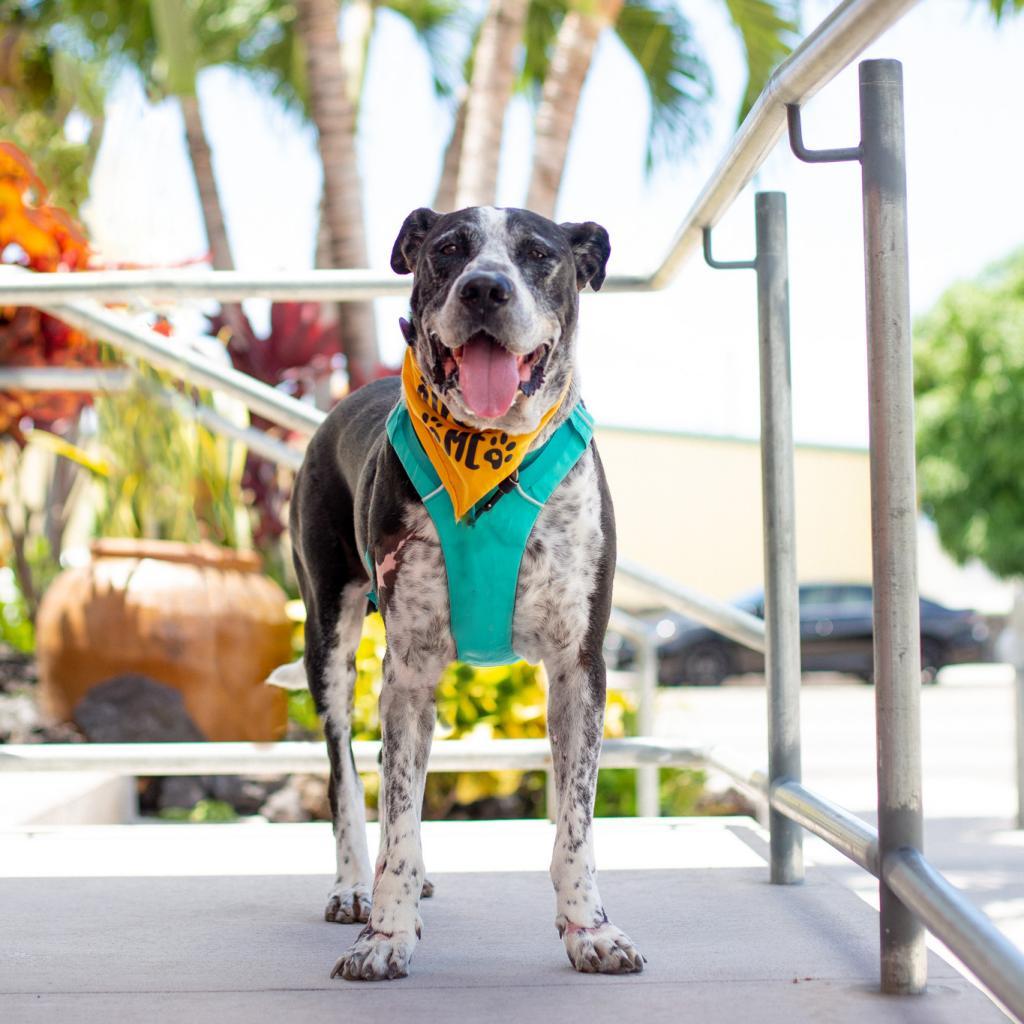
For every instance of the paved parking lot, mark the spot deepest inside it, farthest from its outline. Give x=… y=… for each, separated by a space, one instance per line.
x=968 y=764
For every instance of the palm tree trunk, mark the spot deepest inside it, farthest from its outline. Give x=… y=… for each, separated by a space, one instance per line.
x=335 y=120
x=560 y=97
x=209 y=198
x=494 y=72
x=444 y=201
x=360 y=20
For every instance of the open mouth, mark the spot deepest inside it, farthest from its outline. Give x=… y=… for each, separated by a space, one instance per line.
x=489 y=376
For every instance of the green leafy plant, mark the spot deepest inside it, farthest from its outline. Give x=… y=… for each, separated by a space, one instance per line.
x=160 y=474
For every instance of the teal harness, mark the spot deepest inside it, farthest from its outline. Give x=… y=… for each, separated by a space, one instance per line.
x=483 y=551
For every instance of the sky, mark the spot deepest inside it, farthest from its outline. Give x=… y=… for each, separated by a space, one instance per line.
x=682 y=359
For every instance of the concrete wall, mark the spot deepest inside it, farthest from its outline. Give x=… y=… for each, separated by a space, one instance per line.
x=690 y=507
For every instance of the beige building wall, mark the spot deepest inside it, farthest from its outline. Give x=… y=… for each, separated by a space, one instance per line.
x=690 y=507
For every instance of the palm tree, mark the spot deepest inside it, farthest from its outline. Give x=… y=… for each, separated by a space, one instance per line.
x=659 y=38
x=334 y=114
x=308 y=67
x=490 y=89
x=444 y=198
x=167 y=42
x=176 y=68
x=563 y=84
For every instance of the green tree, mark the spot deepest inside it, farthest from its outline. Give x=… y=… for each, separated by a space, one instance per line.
x=969 y=379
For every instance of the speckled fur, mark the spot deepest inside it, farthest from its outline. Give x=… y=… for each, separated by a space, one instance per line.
x=352 y=496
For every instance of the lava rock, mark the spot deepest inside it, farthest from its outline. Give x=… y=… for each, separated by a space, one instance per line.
x=180 y=791
x=135 y=709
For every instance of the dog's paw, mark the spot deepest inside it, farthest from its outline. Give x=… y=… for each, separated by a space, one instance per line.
x=348 y=904
x=428 y=889
x=603 y=949
x=376 y=956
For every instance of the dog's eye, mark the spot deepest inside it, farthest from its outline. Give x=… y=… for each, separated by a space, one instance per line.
x=449 y=249
x=538 y=254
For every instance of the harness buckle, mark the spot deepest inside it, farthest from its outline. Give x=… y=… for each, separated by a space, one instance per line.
x=506 y=486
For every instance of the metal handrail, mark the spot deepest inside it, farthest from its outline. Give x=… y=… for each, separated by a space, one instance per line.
x=189 y=365
x=850 y=28
x=466 y=755
x=730 y=621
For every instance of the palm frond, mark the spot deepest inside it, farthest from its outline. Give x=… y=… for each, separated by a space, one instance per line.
x=661 y=41
x=999 y=8
x=543 y=18
x=768 y=29
x=442 y=26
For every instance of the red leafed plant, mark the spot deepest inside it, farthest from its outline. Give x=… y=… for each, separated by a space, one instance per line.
x=297 y=351
x=45 y=239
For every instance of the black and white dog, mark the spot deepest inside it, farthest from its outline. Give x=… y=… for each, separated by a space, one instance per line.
x=517 y=277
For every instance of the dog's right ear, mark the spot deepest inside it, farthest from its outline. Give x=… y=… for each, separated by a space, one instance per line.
x=410 y=238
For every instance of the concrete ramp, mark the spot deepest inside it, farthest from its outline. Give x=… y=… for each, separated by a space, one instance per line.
x=223 y=923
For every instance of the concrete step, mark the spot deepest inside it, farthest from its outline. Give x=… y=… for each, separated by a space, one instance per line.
x=223 y=923
x=66 y=798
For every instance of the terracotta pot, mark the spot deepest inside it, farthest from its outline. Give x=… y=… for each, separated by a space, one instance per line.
x=193 y=616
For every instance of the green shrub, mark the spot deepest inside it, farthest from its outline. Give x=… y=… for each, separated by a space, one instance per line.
x=206 y=812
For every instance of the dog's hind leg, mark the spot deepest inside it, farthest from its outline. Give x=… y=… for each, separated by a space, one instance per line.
x=575 y=720
x=331 y=642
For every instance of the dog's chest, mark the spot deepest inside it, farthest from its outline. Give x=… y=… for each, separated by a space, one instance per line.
x=557 y=576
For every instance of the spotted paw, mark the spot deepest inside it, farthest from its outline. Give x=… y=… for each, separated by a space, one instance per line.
x=376 y=956
x=348 y=904
x=428 y=889
x=604 y=949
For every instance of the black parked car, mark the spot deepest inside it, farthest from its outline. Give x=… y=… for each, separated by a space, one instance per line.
x=835 y=636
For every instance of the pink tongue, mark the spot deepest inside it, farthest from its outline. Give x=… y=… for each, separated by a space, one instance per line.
x=488 y=377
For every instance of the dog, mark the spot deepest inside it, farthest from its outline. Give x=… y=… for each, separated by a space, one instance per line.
x=492 y=332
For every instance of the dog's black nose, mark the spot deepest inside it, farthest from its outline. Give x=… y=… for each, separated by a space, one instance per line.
x=485 y=291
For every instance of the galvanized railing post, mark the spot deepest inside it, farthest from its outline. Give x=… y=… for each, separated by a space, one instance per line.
x=647 y=802
x=893 y=508
x=781 y=596
x=645 y=689
x=782 y=610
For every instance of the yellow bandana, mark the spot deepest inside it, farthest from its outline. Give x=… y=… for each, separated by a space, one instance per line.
x=470 y=462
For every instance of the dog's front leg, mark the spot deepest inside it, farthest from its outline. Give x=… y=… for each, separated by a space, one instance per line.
x=575 y=722
x=384 y=947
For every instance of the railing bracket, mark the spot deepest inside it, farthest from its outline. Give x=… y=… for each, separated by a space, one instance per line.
x=723 y=264
x=814 y=156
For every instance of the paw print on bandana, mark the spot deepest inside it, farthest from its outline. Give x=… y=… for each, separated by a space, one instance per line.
x=434 y=425
x=500 y=451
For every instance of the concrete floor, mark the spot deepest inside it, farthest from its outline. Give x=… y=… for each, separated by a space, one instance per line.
x=223 y=923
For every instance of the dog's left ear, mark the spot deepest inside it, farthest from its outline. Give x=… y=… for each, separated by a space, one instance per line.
x=410 y=238
x=591 y=249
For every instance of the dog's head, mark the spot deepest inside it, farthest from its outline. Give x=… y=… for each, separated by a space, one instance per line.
x=495 y=301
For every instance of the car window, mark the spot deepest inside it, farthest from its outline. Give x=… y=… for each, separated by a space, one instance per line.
x=859 y=595
x=832 y=594
x=813 y=595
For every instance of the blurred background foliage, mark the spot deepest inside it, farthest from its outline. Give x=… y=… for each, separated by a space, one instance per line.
x=969 y=380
